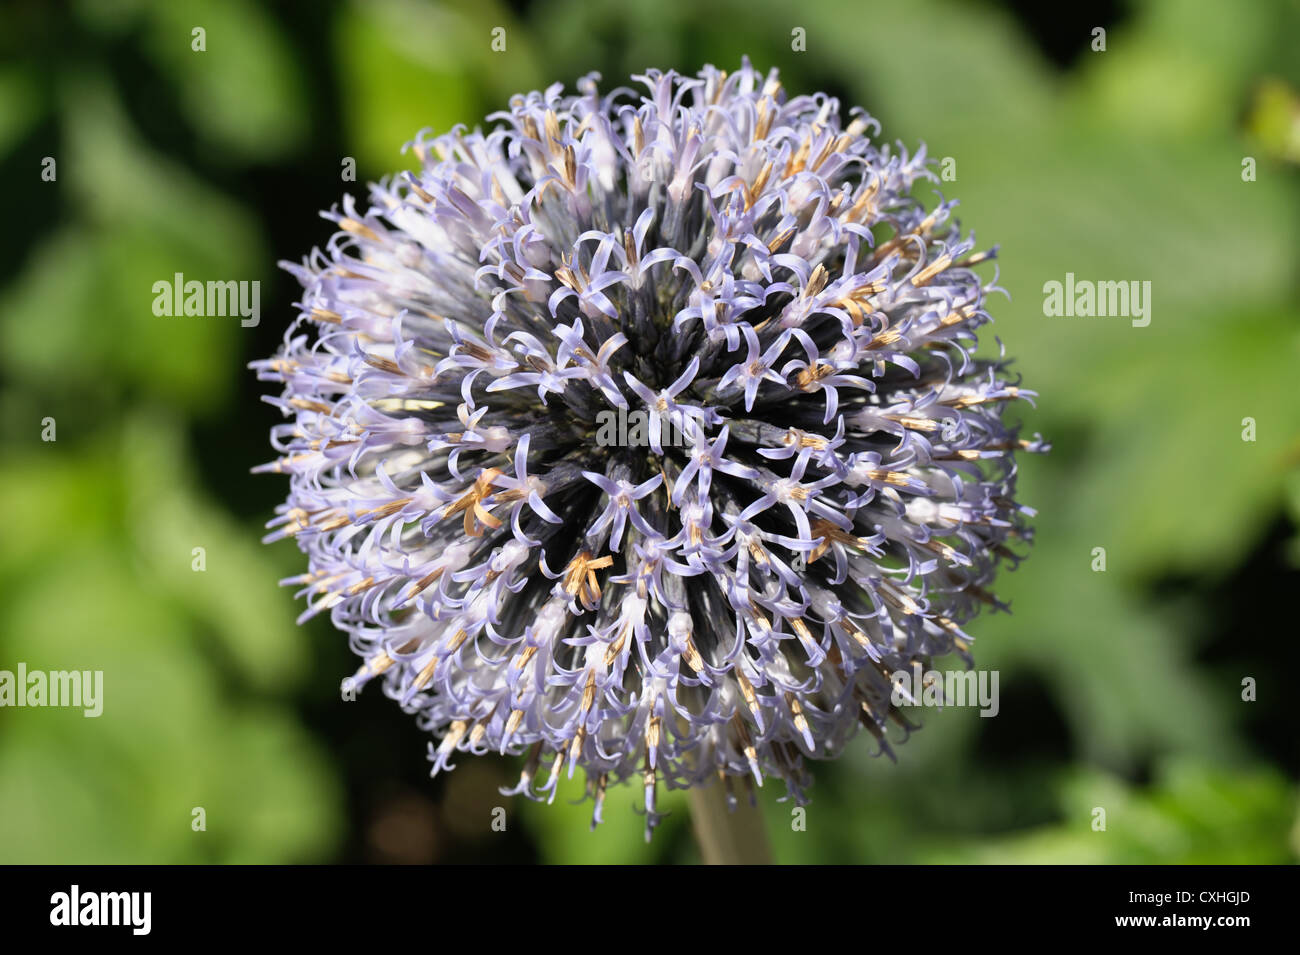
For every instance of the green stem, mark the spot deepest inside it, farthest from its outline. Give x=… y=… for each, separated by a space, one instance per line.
x=726 y=837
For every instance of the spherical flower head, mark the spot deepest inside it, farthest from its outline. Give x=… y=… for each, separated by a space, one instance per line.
x=646 y=433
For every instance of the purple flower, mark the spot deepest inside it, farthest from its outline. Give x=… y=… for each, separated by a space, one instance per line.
x=712 y=255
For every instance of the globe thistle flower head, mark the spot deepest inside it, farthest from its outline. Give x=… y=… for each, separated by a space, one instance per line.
x=817 y=489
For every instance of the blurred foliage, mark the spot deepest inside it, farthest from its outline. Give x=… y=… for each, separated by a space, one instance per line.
x=97 y=566
x=1120 y=690
x=1274 y=119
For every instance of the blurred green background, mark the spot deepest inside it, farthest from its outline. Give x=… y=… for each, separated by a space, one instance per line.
x=1120 y=690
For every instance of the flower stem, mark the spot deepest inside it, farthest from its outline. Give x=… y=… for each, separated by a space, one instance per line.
x=728 y=837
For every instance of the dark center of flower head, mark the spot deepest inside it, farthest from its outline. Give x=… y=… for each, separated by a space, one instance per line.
x=647 y=434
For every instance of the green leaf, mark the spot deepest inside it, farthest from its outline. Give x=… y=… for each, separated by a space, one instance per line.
x=80 y=320
x=21 y=103
x=93 y=574
x=407 y=66
x=242 y=92
x=1194 y=814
